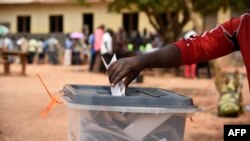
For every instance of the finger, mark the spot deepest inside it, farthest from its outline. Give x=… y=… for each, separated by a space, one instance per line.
x=128 y=80
x=111 y=66
x=119 y=76
x=114 y=72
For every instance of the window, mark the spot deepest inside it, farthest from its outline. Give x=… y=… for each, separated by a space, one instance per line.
x=130 y=22
x=88 y=22
x=56 y=23
x=23 y=24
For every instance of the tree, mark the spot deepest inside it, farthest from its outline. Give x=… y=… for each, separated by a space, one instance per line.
x=164 y=15
x=203 y=8
x=207 y=7
x=168 y=17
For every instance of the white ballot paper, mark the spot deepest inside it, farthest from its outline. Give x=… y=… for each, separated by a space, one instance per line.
x=119 y=88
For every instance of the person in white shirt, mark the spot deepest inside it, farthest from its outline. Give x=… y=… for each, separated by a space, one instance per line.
x=22 y=44
x=6 y=43
x=107 y=45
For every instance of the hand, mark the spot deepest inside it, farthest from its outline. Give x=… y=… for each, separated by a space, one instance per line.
x=127 y=68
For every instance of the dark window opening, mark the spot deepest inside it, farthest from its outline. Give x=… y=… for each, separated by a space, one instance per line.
x=88 y=22
x=130 y=22
x=56 y=24
x=23 y=24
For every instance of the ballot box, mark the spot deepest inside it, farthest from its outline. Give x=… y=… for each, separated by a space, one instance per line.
x=143 y=114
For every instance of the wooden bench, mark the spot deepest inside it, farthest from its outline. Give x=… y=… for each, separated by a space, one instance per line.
x=23 y=58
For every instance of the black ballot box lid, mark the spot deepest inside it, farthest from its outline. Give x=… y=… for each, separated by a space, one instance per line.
x=135 y=97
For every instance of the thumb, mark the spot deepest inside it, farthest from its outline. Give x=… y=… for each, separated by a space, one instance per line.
x=128 y=80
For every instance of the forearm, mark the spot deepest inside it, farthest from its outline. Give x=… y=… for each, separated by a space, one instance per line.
x=166 y=57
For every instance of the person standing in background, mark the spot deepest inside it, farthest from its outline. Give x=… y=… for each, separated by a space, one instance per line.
x=67 y=50
x=77 y=48
x=120 y=43
x=107 y=45
x=22 y=44
x=53 y=50
x=41 y=51
x=91 y=41
x=32 y=48
x=6 y=43
x=97 y=46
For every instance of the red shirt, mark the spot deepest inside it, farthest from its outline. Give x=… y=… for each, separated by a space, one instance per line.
x=230 y=36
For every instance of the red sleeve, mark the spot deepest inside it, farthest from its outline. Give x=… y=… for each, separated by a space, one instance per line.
x=209 y=45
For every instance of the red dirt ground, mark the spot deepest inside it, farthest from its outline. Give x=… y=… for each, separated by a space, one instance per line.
x=23 y=98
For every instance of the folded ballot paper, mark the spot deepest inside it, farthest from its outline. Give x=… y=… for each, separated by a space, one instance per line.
x=119 y=88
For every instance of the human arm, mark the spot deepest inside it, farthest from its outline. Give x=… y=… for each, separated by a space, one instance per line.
x=130 y=67
x=218 y=42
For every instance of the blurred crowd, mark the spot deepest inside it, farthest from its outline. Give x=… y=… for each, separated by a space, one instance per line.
x=82 y=48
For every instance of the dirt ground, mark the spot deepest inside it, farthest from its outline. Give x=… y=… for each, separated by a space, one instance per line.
x=23 y=98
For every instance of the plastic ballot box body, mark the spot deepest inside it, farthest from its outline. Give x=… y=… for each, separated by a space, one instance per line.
x=144 y=114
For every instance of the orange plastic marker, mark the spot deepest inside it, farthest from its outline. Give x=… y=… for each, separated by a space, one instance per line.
x=45 y=112
x=50 y=95
x=54 y=100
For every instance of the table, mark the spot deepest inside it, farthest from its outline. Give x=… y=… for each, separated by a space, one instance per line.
x=6 y=64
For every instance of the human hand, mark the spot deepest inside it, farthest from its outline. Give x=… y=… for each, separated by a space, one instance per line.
x=127 y=68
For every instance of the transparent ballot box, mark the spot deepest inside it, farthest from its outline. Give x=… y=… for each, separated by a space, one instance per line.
x=144 y=114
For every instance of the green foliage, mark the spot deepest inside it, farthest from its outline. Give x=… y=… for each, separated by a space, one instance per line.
x=206 y=7
x=149 y=5
x=164 y=14
x=81 y=2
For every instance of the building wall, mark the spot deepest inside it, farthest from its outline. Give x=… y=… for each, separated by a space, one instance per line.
x=144 y=23
x=72 y=16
